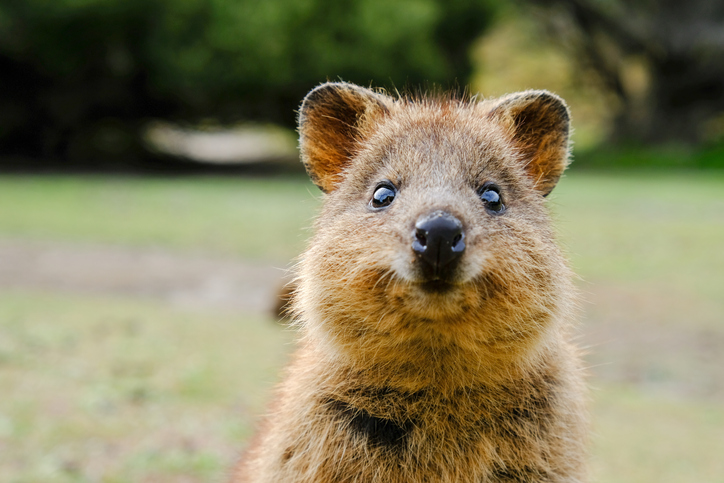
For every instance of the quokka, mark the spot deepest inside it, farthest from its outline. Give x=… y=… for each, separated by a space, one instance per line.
x=434 y=306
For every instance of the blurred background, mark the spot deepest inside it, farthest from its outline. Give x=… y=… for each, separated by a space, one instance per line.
x=152 y=202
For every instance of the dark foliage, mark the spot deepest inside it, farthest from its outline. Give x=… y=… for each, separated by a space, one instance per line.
x=78 y=80
x=663 y=60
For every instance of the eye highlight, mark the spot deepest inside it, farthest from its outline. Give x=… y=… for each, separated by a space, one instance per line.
x=490 y=194
x=384 y=195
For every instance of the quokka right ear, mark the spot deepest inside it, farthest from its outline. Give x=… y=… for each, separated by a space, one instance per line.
x=332 y=120
x=539 y=123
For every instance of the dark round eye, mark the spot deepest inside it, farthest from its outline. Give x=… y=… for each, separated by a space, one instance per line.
x=384 y=195
x=490 y=194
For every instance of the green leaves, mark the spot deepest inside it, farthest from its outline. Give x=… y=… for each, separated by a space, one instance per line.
x=81 y=62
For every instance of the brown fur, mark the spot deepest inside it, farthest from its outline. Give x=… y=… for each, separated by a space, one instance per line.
x=393 y=383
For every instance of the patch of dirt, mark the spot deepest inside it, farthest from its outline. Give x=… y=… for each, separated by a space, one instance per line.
x=181 y=279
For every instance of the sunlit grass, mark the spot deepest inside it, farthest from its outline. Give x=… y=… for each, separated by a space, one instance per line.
x=112 y=389
x=640 y=438
x=258 y=218
x=666 y=229
x=115 y=389
x=641 y=227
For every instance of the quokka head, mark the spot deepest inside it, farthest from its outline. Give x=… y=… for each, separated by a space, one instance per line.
x=434 y=213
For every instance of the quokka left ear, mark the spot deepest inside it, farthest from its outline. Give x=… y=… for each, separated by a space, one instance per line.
x=333 y=119
x=539 y=123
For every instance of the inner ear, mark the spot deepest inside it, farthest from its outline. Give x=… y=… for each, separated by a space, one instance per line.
x=539 y=125
x=333 y=119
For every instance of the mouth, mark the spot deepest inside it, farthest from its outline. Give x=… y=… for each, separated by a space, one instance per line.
x=437 y=286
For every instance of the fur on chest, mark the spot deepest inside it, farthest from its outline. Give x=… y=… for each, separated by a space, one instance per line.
x=474 y=434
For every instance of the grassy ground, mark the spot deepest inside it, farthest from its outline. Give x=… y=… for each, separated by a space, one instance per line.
x=119 y=389
x=258 y=218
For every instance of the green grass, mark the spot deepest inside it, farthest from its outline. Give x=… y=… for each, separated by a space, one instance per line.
x=113 y=389
x=666 y=157
x=639 y=227
x=642 y=438
x=117 y=389
x=644 y=227
x=258 y=218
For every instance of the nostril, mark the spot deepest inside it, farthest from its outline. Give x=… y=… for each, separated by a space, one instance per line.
x=458 y=244
x=419 y=244
x=421 y=236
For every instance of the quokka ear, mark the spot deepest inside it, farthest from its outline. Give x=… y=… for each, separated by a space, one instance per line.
x=539 y=123
x=332 y=120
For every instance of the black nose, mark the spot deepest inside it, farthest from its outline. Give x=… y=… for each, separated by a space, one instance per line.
x=438 y=242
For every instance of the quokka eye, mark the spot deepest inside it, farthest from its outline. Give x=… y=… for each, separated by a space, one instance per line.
x=490 y=194
x=384 y=195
